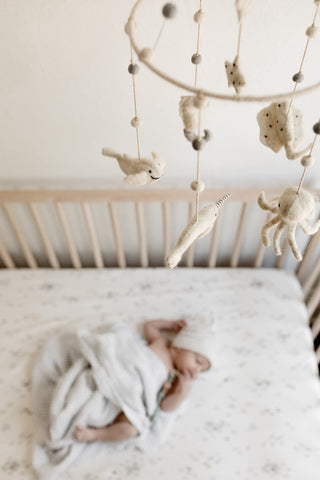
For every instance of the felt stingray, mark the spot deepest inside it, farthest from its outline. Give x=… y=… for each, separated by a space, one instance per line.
x=291 y=211
x=234 y=75
x=195 y=229
x=190 y=117
x=139 y=171
x=278 y=129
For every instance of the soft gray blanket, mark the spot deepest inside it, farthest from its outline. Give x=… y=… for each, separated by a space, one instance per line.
x=88 y=379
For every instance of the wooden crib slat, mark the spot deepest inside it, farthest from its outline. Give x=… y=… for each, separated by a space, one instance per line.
x=190 y=252
x=31 y=261
x=236 y=248
x=313 y=301
x=166 y=229
x=116 y=235
x=6 y=257
x=44 y=236
x=309 y=281
x=280 y=260
x=262 y=249
x=67 y=232
x=318 y=355
x=93 y=235
x=315 y=328
x=214 y=241
x=142 y=234
x=308 y=254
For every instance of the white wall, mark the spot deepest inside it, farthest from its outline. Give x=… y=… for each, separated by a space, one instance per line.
x=65 y=91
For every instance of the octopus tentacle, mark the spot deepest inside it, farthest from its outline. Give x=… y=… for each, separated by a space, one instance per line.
x=310 y=229
x=267 y=205
x=292 y=242
x=266 y=228
x=277 y=238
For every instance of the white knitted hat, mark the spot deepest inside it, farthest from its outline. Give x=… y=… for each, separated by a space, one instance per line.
x=197 y=337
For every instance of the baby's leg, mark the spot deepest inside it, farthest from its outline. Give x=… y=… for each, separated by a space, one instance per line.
x=120 y=429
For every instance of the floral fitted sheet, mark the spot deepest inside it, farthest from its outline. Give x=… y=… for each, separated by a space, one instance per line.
x=255 y=416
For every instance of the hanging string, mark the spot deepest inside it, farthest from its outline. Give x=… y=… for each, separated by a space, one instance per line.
x=239 y=38
x=159 y=35
x=135 y=102
x=309 y=155
x=303 y=58
x=199 y=116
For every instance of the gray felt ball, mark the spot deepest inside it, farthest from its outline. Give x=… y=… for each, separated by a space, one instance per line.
x=196 y=58
x=133 y=68
x=198 y=144
x=298 y=77
x=316 y=128
x=169 y=10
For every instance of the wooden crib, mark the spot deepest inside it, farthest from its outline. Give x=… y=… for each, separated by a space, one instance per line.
x=46 y=228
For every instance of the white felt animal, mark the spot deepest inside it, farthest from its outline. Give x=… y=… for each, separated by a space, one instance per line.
x=139 y=172
x=278 y=129
x=195 y=229
x=189 y=113
x=234 y=75
x=243 y=7
x=291 y=211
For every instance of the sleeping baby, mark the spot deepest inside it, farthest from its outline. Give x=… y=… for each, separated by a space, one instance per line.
x=187 y=357
x=109 y=391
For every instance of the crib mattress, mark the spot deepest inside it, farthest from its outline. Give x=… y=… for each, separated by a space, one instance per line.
x=256 y=416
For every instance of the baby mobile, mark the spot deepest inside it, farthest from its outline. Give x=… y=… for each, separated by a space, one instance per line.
x=281 y=125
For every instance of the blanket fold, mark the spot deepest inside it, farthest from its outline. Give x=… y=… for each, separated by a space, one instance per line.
x=88 y=379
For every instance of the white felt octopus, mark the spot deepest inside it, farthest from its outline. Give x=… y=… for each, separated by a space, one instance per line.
x=139 y=172
x=291 y=211
x=195 y=229
x=279 y=129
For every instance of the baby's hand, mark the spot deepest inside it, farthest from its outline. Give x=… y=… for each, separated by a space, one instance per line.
x=178 y=325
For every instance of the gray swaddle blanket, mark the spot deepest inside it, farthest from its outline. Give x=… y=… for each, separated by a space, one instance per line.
x=88 y=379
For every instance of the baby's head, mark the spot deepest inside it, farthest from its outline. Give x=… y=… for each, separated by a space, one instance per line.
x=193 y=347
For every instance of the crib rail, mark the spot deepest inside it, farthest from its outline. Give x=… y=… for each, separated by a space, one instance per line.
x=19 y=235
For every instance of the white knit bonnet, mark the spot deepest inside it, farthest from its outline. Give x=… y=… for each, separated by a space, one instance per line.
x=196 y=336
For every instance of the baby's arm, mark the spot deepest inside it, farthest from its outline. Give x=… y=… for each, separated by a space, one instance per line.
x=178 y=393
x=153 y=328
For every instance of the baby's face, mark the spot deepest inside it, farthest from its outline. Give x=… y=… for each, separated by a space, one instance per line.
x=193 y=362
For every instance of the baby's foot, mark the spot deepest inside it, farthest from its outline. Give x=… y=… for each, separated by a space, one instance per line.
x=83 y=434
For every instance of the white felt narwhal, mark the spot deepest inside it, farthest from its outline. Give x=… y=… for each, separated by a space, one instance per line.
x=279 y=129
x=292 y=210
x=139 y=171
x=195 y=229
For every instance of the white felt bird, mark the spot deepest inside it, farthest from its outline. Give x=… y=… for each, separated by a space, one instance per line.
x=139 y=172
x=279 y=129
x=291 y=211
x=195 y=229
